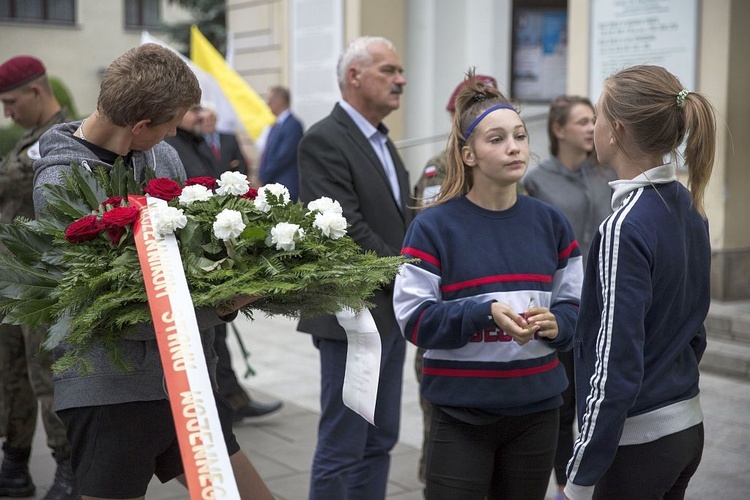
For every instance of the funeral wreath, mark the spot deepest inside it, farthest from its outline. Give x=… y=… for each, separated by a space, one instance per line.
x=76 y=271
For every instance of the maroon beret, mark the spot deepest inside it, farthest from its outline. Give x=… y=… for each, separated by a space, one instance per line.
x=18 y=71
x=487 y=80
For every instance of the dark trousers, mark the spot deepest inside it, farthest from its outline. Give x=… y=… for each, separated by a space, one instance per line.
x=567 y=419
x=511 y=458
x=659 y=470
x=229 y=387
x=352 y=457
x=26 y=384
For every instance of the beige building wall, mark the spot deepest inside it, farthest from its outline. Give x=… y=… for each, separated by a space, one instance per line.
x=261 y=41
x=732 y=262
x=78 y=54
x=386 y=18
x=724 y=76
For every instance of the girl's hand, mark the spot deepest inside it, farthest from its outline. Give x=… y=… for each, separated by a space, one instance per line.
x=544 y=321
x=512 y=323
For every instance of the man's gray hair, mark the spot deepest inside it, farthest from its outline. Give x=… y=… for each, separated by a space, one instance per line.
x=356 y=53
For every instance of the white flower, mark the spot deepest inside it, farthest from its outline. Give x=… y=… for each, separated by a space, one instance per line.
x=232 y=183
x=325 y=205
x=331 y=224
x=167 y=220
x=228 y=224
x=284 y=234
x=278 y=190
x=191 y=194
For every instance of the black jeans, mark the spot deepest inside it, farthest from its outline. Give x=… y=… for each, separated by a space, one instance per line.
x=660 y=469
x=565 y=437
x=510 y=458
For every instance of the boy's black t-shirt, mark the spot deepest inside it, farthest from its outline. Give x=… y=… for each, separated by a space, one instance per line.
x=105 y=155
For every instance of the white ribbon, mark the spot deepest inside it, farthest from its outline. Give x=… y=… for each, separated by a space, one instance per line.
x=363 y=353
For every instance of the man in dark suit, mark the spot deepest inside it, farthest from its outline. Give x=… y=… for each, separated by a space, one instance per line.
x=348 y=157
x=224 y=147
x=192 y=149
x=199 y=161
x=278 y=163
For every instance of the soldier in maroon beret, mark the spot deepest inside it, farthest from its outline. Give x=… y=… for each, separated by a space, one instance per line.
x=28 y=100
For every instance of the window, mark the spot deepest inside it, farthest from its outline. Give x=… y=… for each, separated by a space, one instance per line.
x=38 y=11
x=142 y=14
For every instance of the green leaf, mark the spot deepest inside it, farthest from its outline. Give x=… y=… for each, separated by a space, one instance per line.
x=253 y=233
x=57 y=332
x=32 y=313
x=21 y=281
x=61 y=200
x=24 y=243
x=85 y=182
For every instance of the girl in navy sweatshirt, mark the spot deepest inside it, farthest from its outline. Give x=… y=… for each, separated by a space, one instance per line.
x=646 y=294
x=492 y=297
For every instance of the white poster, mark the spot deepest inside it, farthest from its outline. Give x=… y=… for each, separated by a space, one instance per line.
x=629 y=32
x=540 y=55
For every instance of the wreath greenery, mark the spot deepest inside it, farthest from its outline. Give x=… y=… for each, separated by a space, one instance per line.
x=76 y=271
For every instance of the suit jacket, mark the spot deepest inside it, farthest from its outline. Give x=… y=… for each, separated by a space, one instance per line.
x=279 y=159
x=194 y=153
x=231 y=151
x=337 y=160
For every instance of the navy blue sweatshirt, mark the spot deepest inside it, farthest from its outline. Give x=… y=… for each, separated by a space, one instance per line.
x=470 y=257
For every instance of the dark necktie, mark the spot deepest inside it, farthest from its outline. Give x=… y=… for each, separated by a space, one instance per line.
x=215 y=148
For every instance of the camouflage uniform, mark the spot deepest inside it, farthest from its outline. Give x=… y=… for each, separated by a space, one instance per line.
x=426 y=190
x=432 y=177
x=25 y=370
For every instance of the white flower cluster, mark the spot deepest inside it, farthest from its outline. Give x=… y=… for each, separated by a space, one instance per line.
x=228 y=224
x=328 y=217
x=191 y=194
x=166 y=219
x=284 y=235
x=325 y=204
x=279 y=190
x=233 y=183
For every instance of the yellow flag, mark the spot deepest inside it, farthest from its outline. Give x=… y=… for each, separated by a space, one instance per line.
x=251 y=110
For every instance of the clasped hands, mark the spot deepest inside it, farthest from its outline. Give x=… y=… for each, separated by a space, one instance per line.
x=532 y=323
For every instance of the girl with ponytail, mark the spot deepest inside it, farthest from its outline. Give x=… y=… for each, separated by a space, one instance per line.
x=646 y=294
x=492 y=296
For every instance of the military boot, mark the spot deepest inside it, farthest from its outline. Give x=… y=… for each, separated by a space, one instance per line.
x=64 y=487
x=15 y=480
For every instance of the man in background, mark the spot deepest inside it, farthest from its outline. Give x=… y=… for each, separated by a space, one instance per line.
x=25 y=370
x=278 y=163
x=348 y=157
x=225 y=147
x=199 y=161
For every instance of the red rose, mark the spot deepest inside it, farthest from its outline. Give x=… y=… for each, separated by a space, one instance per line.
x=251 y=194
x=207 y=182
x=84 y=229
x=120 y=217
x=115 y=201
x=163 y=188
x=115 y=233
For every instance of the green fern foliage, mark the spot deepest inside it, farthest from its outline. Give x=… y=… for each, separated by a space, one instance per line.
x=91 y=294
